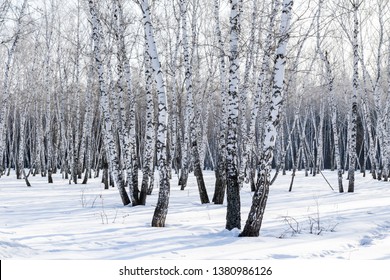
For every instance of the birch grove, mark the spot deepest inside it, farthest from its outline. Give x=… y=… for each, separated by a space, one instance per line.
x=146 y=95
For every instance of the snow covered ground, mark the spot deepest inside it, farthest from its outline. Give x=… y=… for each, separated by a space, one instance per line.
x=62 y=221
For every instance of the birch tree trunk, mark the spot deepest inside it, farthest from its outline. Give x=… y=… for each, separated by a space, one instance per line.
x=38 y=140
x=289 y=146
x=24 y=110
x=127 y=127
x=355 y=88
x=382 y=112
x=329 y=81
x=88 y=118
x=190 y=118
x=79 y=146
x=320 y=139
x=104 y=104
x=369 y=125
x=386 y=132
x=150 y=136
x=388 y=106
x=220 y=169
x=22 y=142
x=48 y=90
x=161 y=210
x=245 y=139
x=259 y=202
x=233 y=215
x=60 y=99
x=174 y=115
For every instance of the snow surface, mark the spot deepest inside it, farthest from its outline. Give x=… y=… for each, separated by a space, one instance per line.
x=62 y=221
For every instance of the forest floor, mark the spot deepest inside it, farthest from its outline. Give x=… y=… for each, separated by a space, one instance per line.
x=62 y=221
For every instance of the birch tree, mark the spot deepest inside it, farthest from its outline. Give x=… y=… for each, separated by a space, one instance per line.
x=381 y=111
x=87 y=129
x=262 y=85
x=259 y=200
x=374 y=161
x=190 y=126
x=244 y=172
x=329 y=81
x=49 y=25
x=220 y=170
x=161 y=210
x=354 y=98
x=150 y=138
x=104 y=104
x=125 y=86
x=233 y=215
x=174 y=113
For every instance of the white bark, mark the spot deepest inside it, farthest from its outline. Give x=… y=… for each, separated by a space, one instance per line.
x=386 y=132
x=127 y=127
x=329 y=80
x=355 y=88
x=255 y=216
x=87 y=126
x=382 y=112
x=150 y=135
x=174 y=114
x=220 y=170
x=104 y=104
x=263 y=86
x=189 y=112
x=233 y=216
x=161 y=210
x=246 y=140
x=190 y=127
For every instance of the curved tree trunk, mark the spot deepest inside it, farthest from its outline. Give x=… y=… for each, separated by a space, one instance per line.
x=104 y=103
x=161 y=210
x=259 y=202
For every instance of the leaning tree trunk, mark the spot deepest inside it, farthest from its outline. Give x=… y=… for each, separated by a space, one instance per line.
x=161 y=210
x=104 y=104
x=127 y=127
x=259 y=202
x=262 y=85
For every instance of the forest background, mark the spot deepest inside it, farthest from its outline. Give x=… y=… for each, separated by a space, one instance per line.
x=238 y=87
